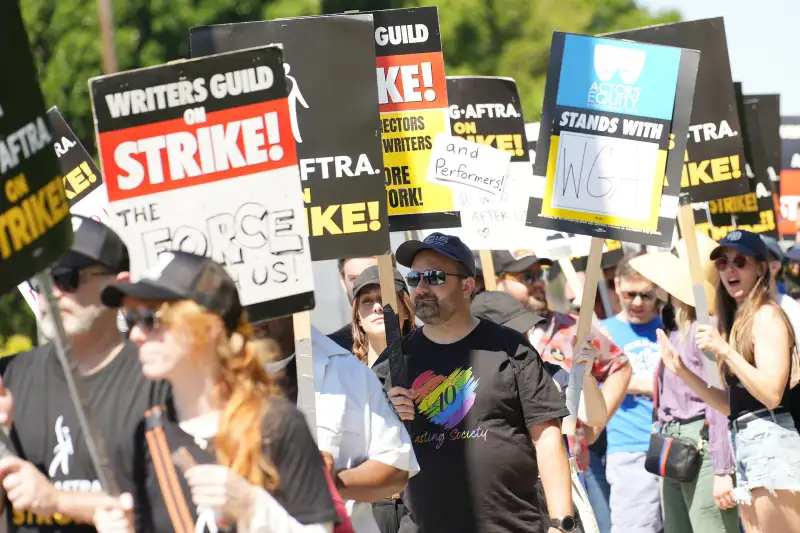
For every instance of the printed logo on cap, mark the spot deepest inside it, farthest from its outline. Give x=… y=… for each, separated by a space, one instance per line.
x=76 y=223
x=521 y=254
x=734 y=236
x=163 y=262
x=435 y=240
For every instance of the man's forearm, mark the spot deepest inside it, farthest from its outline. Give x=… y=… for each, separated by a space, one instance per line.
x=615 y=387
x=370 y=481
x=80 y=506
x=553 y=468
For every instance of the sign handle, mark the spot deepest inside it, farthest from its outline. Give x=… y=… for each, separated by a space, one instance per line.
x=489 y=275
x=572 y=277
x=585 y=320
x=305 y=369
x=386 y=274
x=80 y=396
x=686 y=221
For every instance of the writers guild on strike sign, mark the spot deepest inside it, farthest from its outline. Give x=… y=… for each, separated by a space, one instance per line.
x=222 y=181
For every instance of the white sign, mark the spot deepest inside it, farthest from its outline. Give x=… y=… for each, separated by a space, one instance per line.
x=605 y=175
x=459 y=163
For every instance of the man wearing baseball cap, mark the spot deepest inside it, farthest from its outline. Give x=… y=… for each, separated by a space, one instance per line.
x=53 y=482
x=484 y=413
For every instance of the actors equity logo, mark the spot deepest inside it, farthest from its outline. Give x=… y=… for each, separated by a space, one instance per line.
x=617 y=70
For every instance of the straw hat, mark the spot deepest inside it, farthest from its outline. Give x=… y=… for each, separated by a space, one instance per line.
x=671 y=272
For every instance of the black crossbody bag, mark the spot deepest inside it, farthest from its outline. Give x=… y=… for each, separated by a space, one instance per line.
x=671 y=457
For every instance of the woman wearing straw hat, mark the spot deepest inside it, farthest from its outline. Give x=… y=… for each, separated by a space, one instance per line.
x=679 y=413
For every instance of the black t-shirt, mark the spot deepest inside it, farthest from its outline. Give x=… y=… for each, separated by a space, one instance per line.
x=46 y=430
x=476 y=399
x=303 y=490
x=343 y=337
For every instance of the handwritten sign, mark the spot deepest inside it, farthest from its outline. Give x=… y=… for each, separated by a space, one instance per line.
x=606 y=178
x=459 y=163
x=610 y=159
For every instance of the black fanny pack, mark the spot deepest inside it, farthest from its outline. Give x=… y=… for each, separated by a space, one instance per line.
x=677 y=458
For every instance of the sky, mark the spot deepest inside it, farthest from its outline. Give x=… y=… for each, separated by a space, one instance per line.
x=762 y=42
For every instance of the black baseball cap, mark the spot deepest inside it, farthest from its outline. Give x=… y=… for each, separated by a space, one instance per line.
x=447 y=245
x=744 y=242
x=502 y=308
x=95 y=244
x=183 y=276
x=774 y=248
x=370 y=276
x=793 y=253
x=513 y=261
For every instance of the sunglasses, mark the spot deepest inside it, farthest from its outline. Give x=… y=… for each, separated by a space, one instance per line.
x=722 y=263
x=431 y=277
x=69 y=279
x=528 y=277
x=645 y=296
x=148 y=319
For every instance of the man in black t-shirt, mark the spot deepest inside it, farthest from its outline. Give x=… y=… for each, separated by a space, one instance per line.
x=53 y=486
x=484 y=412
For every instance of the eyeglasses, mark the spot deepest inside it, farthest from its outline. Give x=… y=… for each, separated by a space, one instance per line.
x=645 y=296
x=722 y=263
x=527 y=277
x=69 y=279
x=149 y=319
x=431 y=277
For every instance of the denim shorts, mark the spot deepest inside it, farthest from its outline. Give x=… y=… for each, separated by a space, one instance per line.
x=767 y=454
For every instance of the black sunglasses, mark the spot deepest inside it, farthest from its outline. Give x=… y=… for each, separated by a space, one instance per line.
x=431 y=277
x=149 y=318
x=69 y=279
x=527 y=277
x=739 y=261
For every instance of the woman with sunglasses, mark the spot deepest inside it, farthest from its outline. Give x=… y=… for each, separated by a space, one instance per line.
x=244 y=454
x=369 y=332
x=754 y=349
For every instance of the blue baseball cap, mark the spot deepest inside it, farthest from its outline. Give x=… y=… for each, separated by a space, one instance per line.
x=447 y=245
x=745 y=242
x=793 y=253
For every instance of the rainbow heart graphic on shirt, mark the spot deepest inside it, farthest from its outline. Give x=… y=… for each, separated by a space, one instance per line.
x=445 y=400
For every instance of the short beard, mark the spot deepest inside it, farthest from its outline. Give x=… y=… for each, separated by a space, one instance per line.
x=536 y=306
x=74 y=325
x=432 y=311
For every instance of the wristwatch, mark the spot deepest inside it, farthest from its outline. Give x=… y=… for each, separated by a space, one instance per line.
x=566 y=524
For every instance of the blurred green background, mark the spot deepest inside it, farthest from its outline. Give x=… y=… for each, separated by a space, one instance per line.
x=479 y=37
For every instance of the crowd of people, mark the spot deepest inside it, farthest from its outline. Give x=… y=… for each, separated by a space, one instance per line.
x=197 y=404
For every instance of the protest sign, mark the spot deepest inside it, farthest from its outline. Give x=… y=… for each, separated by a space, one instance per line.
x=330 y=68
x=457 y=163
x=714 y=159
x=754 y=211
x=34 y=227
x=83 y=183
x=620 y=115
x=532 y=134
x=789 y=175
x=413 y=104
x=199 y=156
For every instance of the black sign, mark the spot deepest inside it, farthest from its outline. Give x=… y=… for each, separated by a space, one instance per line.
x=35 y=228
x=330 y=71
x=714 y=165
x=81 y=175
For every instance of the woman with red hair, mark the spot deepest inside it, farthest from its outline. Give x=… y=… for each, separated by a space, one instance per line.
x=227 y=450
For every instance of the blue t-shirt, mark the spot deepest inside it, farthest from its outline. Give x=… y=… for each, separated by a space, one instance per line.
x=629 y=428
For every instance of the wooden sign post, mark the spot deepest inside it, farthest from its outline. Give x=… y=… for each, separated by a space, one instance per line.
x=487 y=266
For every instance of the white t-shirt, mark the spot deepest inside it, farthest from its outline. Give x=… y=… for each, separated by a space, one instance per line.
x=792 y=310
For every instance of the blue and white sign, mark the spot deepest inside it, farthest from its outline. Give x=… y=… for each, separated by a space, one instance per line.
x=618 y=76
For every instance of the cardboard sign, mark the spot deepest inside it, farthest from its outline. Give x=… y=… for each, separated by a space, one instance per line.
x=487 y=110
x=83 y=183
x=756 y=210
x=199 y=156
x=532 y=134
x=413 y=103
x=330 y=68
x=789 y=175
x=619 y=115
x=714 y=161
x=457 y=163
x=35 y=228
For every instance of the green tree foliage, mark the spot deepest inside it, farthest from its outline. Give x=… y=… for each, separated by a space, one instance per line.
x=480 y=37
